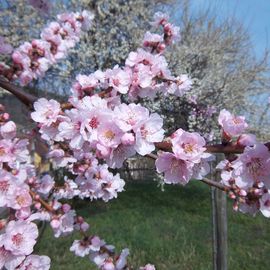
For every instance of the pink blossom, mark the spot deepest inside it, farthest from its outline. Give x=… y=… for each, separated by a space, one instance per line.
x=118 y=79
x=151 y=40
x=112 y=186
x=109 y=135
x=148 y=267
x=148 y=132
x=46 y=111
x=8 y=260
x=81 y=248
x=23 y=213
x=176 y=171
x=128 y=116
x=72 y=128
x=84 y=84
x=8 y=130
x=45 y=184
x=231 y=125
x=265 y=204
x=247 y=140
x=14 y=150
x=69 y=191
x=66 y=224
x=200 y=170
x=96 y=243
x=20 y=237
x=36 y=262
x=121 y=262
x=19 y=198
x=171 y=33
x=252 y=166
x=160 y=18
x=119 y=155
x=180 y=86
x=128 y=139
x=188 y=145
x=59 y=157
x=7 y=185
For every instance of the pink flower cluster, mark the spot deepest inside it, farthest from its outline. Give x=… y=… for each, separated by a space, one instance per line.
x=32 y=59
x=188 y=158
x=96 y=131
x=22 y=193
x=145 y=72
x=100 y=253
x=18 y=234
x=248 y=176
x=231 y=125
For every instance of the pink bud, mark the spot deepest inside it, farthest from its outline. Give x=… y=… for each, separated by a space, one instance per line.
x=80 y=219
x=23 y=213
x=128 y=139
x=258 y=192
x=161 y=47
x=235 y=206
x=5 y=116
x=38 y=205
x=66 y=207
x=55 y=223
x=84 y=226
x=242 y=192
x=232 y=195
x=31 y=180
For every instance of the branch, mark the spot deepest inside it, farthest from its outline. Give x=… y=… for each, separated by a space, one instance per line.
x=24 y=97
x=215 y=184
x=42 y=202
x=27 y=99
x=230 y=148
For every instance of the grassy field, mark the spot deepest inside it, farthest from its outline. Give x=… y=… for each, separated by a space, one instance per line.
x=171 y=229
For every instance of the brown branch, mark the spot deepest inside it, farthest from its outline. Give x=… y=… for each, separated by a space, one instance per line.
x=24 y=97
x=42 y=202
x=230 y=148
x=215 y=184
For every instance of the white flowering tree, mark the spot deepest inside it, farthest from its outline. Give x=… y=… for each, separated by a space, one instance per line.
x=94 y=132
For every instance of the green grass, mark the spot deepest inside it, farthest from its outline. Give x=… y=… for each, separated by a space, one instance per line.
x=171 y=229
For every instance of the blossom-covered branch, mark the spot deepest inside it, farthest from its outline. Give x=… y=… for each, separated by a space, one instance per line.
x=94 y=132
x=32 y=59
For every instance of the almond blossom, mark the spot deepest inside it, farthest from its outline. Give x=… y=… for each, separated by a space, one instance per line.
x=175 y=170
x=34 y=262
x=20 y=237
x=231 y=125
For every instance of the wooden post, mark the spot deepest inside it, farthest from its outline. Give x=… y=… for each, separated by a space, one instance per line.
x=219 y=223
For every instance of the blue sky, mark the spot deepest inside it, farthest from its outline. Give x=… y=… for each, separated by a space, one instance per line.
x=255 y=14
